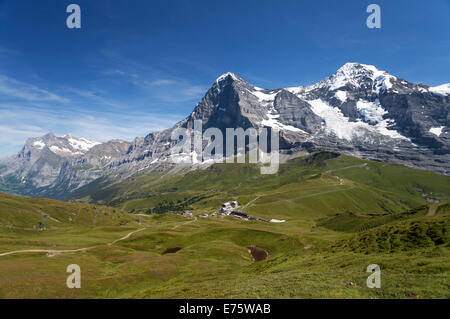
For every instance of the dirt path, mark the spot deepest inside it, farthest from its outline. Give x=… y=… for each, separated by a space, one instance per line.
x=287 y=191
x=53 y=252
x=256 y=198
x=347 y=167
x=126 y=236
x=433 y=208
x=54 y=219
x=50 y=252
x=305 y=196
x=191 y=221
x=341 y=182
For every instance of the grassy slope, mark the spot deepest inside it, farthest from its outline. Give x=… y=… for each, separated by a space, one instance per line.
x=68 y=226
x=334 y=230
x=376 y=188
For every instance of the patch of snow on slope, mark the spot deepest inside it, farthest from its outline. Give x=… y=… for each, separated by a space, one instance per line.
x=39 y=145
x=273 y=122
x=443 y=89
x=371 y=112
x=264 y=97
x=382 y=80
x=58 y=150
x=298 y=90
x=340 y=125
x=437 y=130
x=273 y=220
x=82 y=144
x=341 y=95
x=335 y=121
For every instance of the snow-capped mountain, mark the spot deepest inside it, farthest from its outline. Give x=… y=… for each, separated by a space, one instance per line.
x=361 y=99
x=65 y=146
x=359 y=110
x=443 y=89
x=42 y=160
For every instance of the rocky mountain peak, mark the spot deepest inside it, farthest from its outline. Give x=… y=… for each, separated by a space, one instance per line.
x=356 y=76
x=231 y=81
x=65 y=146
x=228 y=75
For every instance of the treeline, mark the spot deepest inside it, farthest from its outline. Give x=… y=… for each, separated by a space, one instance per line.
x=170 y=206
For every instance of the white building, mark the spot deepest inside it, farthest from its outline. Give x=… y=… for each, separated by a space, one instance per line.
x=226 y=208
x=187 y=214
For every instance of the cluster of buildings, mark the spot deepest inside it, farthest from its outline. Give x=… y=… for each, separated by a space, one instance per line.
x=231 y=209
x=187 y=213
x=228 y=207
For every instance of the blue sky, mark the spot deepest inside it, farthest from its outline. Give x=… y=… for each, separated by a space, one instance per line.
x=140 y=66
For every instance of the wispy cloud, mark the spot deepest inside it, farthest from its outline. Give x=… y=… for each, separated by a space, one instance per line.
x=124 y=101
x=12 y=88
x=164 y=88
x=163 y=82
x=17 y=123
x=157 y=83
x=119 y=72
x=94 y=97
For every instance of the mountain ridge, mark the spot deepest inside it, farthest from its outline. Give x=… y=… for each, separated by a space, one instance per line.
x=359 y=110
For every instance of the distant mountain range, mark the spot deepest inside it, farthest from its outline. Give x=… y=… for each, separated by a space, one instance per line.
x=359 y=110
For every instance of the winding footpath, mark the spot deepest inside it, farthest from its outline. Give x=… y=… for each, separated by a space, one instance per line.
x=432 y=209
x=341 y=182
x=53 y=252
x=191 y=221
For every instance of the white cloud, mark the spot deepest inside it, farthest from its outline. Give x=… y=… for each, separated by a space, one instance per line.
x=163 y=82
x=11 y=88
x=17 y=123
x=118 y=106
x=154 y=83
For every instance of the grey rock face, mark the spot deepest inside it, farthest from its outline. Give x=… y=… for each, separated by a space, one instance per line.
x=82 y=170
x=359 y=110
x=49 y=161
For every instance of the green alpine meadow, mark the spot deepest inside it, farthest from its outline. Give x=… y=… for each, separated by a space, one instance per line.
x=341 y=214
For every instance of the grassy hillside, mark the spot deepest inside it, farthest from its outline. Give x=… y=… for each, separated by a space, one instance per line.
x=17 y=211
x=212 y=261
x=400 y=236
x=318 y=185
x=341 y=213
